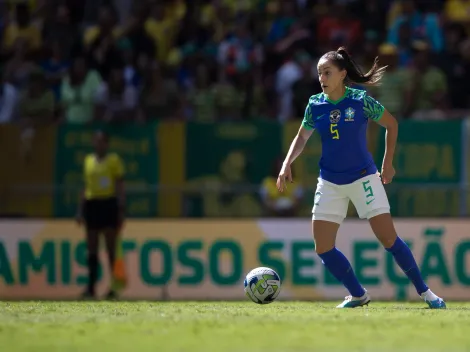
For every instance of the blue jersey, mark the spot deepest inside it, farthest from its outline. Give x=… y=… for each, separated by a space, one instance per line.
x=342 y=126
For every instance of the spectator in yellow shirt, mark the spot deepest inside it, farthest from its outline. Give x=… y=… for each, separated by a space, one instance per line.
x=22 y=30
x=176 y=10
x=278 y=204
x=107 y=25
x=162 y=30
x=33 y=5
x=219 y=19
x=458 y=11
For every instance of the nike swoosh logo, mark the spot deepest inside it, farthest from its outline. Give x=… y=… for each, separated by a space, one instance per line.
x=370 y=201
x=319 y=117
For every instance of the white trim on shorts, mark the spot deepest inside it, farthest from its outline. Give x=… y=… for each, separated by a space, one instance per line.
x=328 y=217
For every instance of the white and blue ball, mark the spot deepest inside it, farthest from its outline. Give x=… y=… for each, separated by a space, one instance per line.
x=262 y=285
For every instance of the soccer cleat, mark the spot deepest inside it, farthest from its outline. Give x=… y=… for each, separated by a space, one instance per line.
x=436 y=304
x=433 y=301
x=111 y=295
x=353 y=302
x=88 y=295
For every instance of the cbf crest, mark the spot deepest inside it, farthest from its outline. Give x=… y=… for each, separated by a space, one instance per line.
x=335 y=115
x=350 y=112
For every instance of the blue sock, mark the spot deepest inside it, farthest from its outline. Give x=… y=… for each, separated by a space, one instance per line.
x=405 y=260
x=339 y=267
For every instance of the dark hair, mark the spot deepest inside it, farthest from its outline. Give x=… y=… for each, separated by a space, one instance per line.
x=341 y=59
x=102 y=134
x=23 y=16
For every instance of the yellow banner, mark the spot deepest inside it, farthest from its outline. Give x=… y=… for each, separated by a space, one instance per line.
x=20 y=169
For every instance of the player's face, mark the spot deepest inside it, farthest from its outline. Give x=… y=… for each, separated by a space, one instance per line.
x=330 y=76
x=100 y=142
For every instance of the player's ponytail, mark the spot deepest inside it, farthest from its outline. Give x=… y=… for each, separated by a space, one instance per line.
x=354 y=73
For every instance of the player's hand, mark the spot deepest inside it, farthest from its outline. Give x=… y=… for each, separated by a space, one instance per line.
x=388 y=172
x=284 y=175
x=121 y=218
x=79 y=219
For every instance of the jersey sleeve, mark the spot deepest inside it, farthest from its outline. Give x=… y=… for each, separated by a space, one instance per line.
x=308 y=122
x=373 y=110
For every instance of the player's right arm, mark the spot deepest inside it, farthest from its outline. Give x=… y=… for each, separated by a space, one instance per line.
x=296 y=148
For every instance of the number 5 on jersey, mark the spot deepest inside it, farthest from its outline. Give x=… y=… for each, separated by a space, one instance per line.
x=334 y=130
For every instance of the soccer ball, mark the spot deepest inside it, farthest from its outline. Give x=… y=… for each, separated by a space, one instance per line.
x=262 y=285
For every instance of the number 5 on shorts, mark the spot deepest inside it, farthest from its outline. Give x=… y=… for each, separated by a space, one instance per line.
x=367 y=189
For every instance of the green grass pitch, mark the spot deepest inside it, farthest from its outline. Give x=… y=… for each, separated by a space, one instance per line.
x=231 y=326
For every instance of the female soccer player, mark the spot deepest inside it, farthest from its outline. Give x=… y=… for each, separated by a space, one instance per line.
x=347 y=171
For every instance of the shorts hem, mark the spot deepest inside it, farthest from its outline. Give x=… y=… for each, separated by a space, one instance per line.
x=94 y=227
x=376 y=212
x=338 y=219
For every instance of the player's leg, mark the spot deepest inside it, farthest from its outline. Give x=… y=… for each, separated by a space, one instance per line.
x=329 y=212
x=111 y=236
x=92 y=261
x=92 y=239
x=383 y=228
x=110 y=216
x=370 y=199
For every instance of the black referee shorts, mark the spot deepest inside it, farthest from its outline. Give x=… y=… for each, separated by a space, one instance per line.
x=100 y=214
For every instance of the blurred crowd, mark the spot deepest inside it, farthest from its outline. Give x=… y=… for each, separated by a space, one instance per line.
x=76 y=61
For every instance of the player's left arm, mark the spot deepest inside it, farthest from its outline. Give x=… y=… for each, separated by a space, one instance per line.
x=391 y=125
x=376 y=112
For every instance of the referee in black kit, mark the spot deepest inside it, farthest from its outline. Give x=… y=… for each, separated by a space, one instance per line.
x=101 y=207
